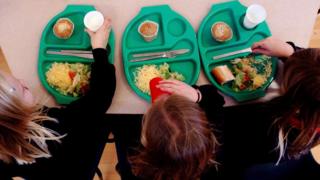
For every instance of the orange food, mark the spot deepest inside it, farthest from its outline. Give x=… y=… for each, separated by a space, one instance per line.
x=148 y=28
x=222 y=74
x=221 y=31
x=63 y=28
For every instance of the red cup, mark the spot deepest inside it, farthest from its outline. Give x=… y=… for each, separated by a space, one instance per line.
x=156 y=92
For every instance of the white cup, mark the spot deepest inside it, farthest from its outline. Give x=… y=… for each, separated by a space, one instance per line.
x=93 y=20
x=255 y=14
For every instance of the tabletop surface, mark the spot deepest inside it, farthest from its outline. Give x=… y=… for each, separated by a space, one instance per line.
x=22 y=22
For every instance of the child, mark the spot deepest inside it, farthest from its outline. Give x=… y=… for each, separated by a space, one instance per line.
x=56 y=143
x=292 y=119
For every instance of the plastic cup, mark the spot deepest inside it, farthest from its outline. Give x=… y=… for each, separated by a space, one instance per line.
x=156 y=92
x=149 y=38
x=93 y=20
x=255 y=14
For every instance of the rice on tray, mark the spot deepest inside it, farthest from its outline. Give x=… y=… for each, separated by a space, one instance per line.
x=69 y=78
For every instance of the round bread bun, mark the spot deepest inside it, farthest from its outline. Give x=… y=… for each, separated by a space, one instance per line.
x=221 y=31
x=63 y=28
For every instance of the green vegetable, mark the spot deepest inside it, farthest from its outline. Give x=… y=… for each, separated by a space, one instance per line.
x=246 y=69
x=166 y=74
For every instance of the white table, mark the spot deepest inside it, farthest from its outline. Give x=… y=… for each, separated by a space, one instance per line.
x=22 y=22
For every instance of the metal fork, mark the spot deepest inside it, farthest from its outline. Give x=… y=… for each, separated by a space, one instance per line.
x=164 y=55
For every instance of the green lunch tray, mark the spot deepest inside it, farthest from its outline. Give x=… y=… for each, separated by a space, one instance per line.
x=231 y=13
x=79 y=40
x=175 y=32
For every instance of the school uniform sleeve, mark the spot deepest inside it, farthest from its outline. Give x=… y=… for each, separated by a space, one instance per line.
x=212 y=104
x=211 y=100
x=303 y=168
x=5 y=171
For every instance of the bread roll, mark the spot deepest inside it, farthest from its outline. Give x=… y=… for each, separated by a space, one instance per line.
x=222 y=74
x=63 y=28
x=221 y=32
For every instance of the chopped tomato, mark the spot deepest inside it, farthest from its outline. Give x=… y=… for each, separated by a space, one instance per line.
x=72 y=75
x=242 y=87
x=246 y=78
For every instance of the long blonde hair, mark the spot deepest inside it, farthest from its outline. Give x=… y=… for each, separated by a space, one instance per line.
x=22 y=138
x=301 y=101
x=178 y=141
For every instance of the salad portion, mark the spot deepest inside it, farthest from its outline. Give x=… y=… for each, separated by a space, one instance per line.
x=250 y=72
x=69 y=78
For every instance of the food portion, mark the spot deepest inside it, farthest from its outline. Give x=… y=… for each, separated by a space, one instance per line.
x=148 y=30
x=144 y=74
x=63 y=28
x=250 y=73
x=221 y=32
x=69 y=79
x=222 y=74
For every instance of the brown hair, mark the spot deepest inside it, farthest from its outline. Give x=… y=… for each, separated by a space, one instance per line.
x=22 y=138
x=301 y=94
x=178 y=141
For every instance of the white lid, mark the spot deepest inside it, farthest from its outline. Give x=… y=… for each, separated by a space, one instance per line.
x=93 y=20
x=256 y=13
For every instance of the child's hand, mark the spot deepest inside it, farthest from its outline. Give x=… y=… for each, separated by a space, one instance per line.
x=273 y=47
x=179 y=88
x=99 y=39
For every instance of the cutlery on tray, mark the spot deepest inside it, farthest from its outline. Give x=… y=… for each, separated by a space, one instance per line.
x=232 y=53
x=156 y=55
x=76 y=53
